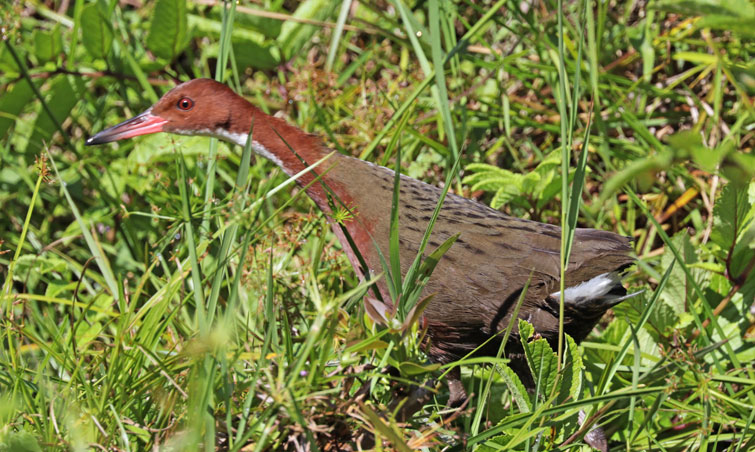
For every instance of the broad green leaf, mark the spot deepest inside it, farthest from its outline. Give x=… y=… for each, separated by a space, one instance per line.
x=252 y=54
x=12 y=102
x=61 y=100
x=736 y=16
x=662 y=320
x=169 y=31
x=47 y=44
x=728 y=8
x=641 y=170
x=97 y=32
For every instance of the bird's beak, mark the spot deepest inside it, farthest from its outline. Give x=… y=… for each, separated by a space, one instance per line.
x=138 y=125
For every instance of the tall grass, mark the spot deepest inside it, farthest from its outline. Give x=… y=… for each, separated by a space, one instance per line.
x=175 y=293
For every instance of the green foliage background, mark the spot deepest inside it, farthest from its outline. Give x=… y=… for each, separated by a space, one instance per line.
x=165 y=293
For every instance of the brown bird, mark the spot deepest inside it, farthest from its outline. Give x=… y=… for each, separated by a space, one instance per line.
x=477 y=282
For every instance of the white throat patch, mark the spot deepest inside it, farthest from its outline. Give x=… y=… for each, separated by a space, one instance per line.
x=240 y=139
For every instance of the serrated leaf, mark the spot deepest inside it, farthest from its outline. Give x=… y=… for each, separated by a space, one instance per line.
x=526 y=330
x=97 y=33
x=663 y=318
x=543 y=363
x=571 y=384
x=732 y=215
x=21 y=441
x=518 y=391
x=169 y=31
x=677 y=289
x=531 y=181
x=496 y=443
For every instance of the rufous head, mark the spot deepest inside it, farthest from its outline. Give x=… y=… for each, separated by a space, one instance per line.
x=197 y=107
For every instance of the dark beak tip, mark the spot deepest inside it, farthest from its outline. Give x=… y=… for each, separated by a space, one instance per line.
x=96 y=139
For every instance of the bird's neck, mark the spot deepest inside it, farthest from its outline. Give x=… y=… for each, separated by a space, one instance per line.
x=336 y=184
x=291 y=149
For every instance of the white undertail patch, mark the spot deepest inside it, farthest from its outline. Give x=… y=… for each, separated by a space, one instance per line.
x=596 y=288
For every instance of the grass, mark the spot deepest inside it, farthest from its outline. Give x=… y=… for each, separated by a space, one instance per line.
x=178 y=294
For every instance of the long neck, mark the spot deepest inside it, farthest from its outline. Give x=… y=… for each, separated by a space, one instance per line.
x=338 y=186
x=292 y=150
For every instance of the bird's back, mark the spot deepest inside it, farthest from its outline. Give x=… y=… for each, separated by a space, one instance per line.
x=480 y=278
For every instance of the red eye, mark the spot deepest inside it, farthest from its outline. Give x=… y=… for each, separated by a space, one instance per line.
x=185 y=104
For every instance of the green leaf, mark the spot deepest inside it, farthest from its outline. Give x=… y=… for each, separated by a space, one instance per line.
x=411 y=369
x=526 y=330
x=689 y=143
x=543 y=363
x=732 y=214
x=22 y=441
x=571 y=384
x=663 y=319
x=734 y=227
x=97 y=34
x=428 y=265
x=269 y=28
x=387 y=431
x=518 y=391
x=42 y=46
x=61 y=101
x=12 y=102
x=251 y=54
x=735 y=16
x=677 y=290
x=294 y=35
x=169 y=31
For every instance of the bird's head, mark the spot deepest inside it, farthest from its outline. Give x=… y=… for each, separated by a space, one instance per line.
x=197 y=107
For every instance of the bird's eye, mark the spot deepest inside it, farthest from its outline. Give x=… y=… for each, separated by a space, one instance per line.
x=185 y=104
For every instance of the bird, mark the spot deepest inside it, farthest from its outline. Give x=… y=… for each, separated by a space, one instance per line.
x=478 y=281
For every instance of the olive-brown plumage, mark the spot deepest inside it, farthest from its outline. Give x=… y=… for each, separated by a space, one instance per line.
x=481 y=277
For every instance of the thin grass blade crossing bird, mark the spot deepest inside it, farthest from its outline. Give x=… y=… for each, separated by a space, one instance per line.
x=480 y=278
